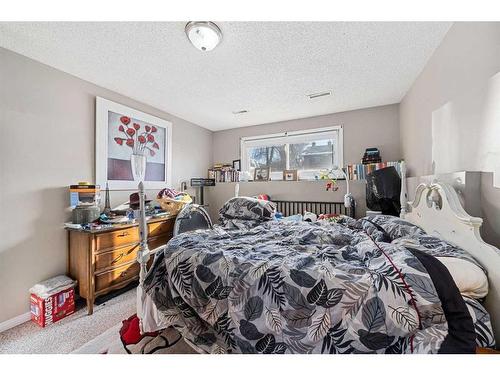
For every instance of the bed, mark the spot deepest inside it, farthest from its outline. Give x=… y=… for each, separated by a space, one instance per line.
x=257 y=285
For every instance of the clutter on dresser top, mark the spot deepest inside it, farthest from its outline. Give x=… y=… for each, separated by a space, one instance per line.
x=87 y=215
x=84 y=200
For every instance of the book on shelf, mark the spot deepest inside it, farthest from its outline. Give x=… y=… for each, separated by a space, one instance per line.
x=224 y=173
x=360 y=171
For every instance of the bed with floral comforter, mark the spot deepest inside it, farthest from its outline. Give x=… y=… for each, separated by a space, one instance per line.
x=258 y=285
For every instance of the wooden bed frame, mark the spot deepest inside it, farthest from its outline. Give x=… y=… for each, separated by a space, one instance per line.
x=437 y=210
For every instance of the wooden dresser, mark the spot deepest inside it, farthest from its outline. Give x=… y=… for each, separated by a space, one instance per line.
x=104 y=260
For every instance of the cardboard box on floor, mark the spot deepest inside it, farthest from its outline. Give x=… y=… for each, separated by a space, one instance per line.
x=52 y=300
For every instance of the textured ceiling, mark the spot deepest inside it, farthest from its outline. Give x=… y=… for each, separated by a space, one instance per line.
x=266 y=68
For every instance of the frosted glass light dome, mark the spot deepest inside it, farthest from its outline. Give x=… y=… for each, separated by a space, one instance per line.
x=204 y=35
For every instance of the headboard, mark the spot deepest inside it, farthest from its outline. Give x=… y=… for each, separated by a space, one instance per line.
x=288 y=208
x=437 y=210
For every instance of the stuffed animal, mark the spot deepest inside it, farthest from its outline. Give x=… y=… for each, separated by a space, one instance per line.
x=263 y=197
x=333 y=218
x=310 y=216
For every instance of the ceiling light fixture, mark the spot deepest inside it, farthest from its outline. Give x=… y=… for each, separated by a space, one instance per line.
x=240 y=112
x=204 y=35
x=319 y=94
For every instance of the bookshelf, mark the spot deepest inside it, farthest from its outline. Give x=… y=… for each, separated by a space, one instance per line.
x=224 y=173
x=359 y=171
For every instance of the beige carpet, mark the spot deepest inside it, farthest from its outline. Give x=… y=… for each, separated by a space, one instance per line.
x=168 y=342
x=71 y=332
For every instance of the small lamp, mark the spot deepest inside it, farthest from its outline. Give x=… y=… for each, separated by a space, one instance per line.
x=348 y=198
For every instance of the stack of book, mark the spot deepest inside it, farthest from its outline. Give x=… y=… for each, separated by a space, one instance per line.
x=371 y=156
x=224 y=173
x=359 y=171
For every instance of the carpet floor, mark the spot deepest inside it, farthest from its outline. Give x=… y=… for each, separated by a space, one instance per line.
x=168 y=341
x=71 y=332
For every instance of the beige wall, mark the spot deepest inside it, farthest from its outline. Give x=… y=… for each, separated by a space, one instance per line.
x=370 y=127
x=47 y=143
x=450 y=118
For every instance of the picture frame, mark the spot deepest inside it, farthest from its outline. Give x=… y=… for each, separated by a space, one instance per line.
x=290 y=175
x=131 y=146
x=237 y=165
x=262 y=174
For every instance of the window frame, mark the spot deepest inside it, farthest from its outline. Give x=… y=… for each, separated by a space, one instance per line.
x=268 y=139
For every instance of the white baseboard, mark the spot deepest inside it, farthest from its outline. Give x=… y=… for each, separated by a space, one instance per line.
x=15 y=321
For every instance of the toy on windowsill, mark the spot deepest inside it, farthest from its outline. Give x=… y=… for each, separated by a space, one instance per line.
x=332 y=185
x=328 y=174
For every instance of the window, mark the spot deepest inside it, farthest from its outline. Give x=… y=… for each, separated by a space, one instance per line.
x=306 y=151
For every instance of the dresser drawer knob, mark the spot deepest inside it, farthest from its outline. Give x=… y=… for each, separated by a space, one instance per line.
x=123 y=274
x=123 y=234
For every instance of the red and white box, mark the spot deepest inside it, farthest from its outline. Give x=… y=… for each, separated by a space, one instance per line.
x=52 y=300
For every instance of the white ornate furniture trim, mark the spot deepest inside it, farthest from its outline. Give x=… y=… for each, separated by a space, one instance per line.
x=404 y=195
x=437 y=210
x=145 y=307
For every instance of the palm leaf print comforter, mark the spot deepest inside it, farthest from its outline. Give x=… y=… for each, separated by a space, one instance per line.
x=298 y=287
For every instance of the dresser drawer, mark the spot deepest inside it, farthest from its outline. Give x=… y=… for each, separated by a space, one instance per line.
x=155 y=242
x=116 y=257
x=109 y=240
x=105 y=260
x=116 y=276
x=161 y=228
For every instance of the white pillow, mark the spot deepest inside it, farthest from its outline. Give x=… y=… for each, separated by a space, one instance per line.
x=470 y=279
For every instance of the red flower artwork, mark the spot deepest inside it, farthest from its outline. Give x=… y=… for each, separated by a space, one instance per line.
x=139 y=142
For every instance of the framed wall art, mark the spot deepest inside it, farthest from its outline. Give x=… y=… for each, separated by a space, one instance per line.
x=131 y=146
